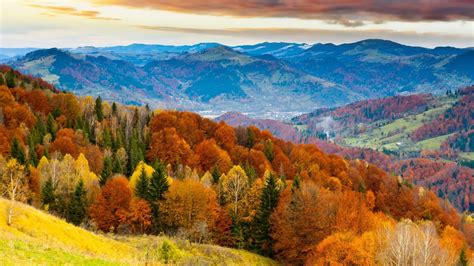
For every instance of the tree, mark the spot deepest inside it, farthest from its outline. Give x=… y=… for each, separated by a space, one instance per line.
x=106 y=171
x=235 y=185
x=167 y=146
x=268 y=202
x=113 y=200
x=141 y=187
x=77 y=205
x=14 y=185
x=17 y=152
x=48 y=196
x=99 y=111
x=188 y=204
x=159 y=185
x=10 y=79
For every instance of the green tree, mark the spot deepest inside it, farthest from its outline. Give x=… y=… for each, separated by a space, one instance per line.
x=268 y=150
x=250 y=138
x=216 y=174
x=106 y=171
x=16 y=151
x=2 y=80
x=51 y=126
x=156 y=191
x=141 y=188
x=10 y=79
x=114 y=109
x=77 y=206
x=268 y=202
x=463 y=261
x=106 y=138
x=99 y=111
x=48 y=196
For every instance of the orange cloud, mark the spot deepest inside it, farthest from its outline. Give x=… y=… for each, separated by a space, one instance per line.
x=346 y=12
x=71 y=11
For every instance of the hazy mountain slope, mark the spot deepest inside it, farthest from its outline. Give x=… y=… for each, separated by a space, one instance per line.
x=264 y=80
x=381 y=68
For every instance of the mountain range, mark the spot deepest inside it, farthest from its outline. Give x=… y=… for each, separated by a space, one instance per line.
x=276 y=80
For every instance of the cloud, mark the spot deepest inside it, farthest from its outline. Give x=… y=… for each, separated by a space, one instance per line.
x=321 y=35
x=66 y=10
x=346 y=12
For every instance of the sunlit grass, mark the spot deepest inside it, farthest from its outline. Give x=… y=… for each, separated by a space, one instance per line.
x=36 y=237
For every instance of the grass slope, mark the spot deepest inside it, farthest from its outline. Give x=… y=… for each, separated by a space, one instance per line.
x=36 y=238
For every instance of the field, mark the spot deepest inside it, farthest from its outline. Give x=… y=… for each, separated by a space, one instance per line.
x=39 y=238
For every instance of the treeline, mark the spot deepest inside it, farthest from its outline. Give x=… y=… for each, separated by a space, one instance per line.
x=132 y=170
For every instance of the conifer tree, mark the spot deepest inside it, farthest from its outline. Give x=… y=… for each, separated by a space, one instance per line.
x=106 y=171
x=99 y=111
x=51 y=126
x=250 y=138
x=32 y=159
x=17 y=152
x=77 y=206
x=216 y=174
x=2 y=80
x=156 y=191
x=117 y=165
x=106 y=138
x=296 y=183
x=114 y=109
x=141 y=188
x=463 y=258
x=268 y=202
x=48 y=197
x=10 y=79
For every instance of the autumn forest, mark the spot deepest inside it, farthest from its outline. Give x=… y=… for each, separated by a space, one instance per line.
x=126 y=170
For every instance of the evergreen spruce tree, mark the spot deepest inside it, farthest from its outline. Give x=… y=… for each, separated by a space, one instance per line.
x=106 y=138
x=268 y=150
x=141 y=188
x=463 y=261
x=77 y=206
x=16 y=151
x=106 y=171
x=114 y=109
x=48 y=197
x=136 y=153
x=250 y=138
x=156 y=191
x=10 y=79
x=99 y=111
x=32 y=159
x=296 y=183
x=216 y=174
x=51 y=126
x=117 y=165
x=268 y=202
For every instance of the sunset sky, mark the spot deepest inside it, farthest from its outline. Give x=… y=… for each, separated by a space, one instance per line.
x=68 y=23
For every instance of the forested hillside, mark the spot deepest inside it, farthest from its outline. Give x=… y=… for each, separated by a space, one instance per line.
x=130 y=170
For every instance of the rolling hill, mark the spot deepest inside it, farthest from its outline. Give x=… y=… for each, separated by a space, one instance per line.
x=39 y=238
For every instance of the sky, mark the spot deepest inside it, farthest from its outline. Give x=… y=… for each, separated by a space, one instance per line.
x=73 y=23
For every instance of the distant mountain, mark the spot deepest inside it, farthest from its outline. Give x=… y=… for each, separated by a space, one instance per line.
x=9 y=53
x=379 y=68
x=213 y=79
x=278 y=80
